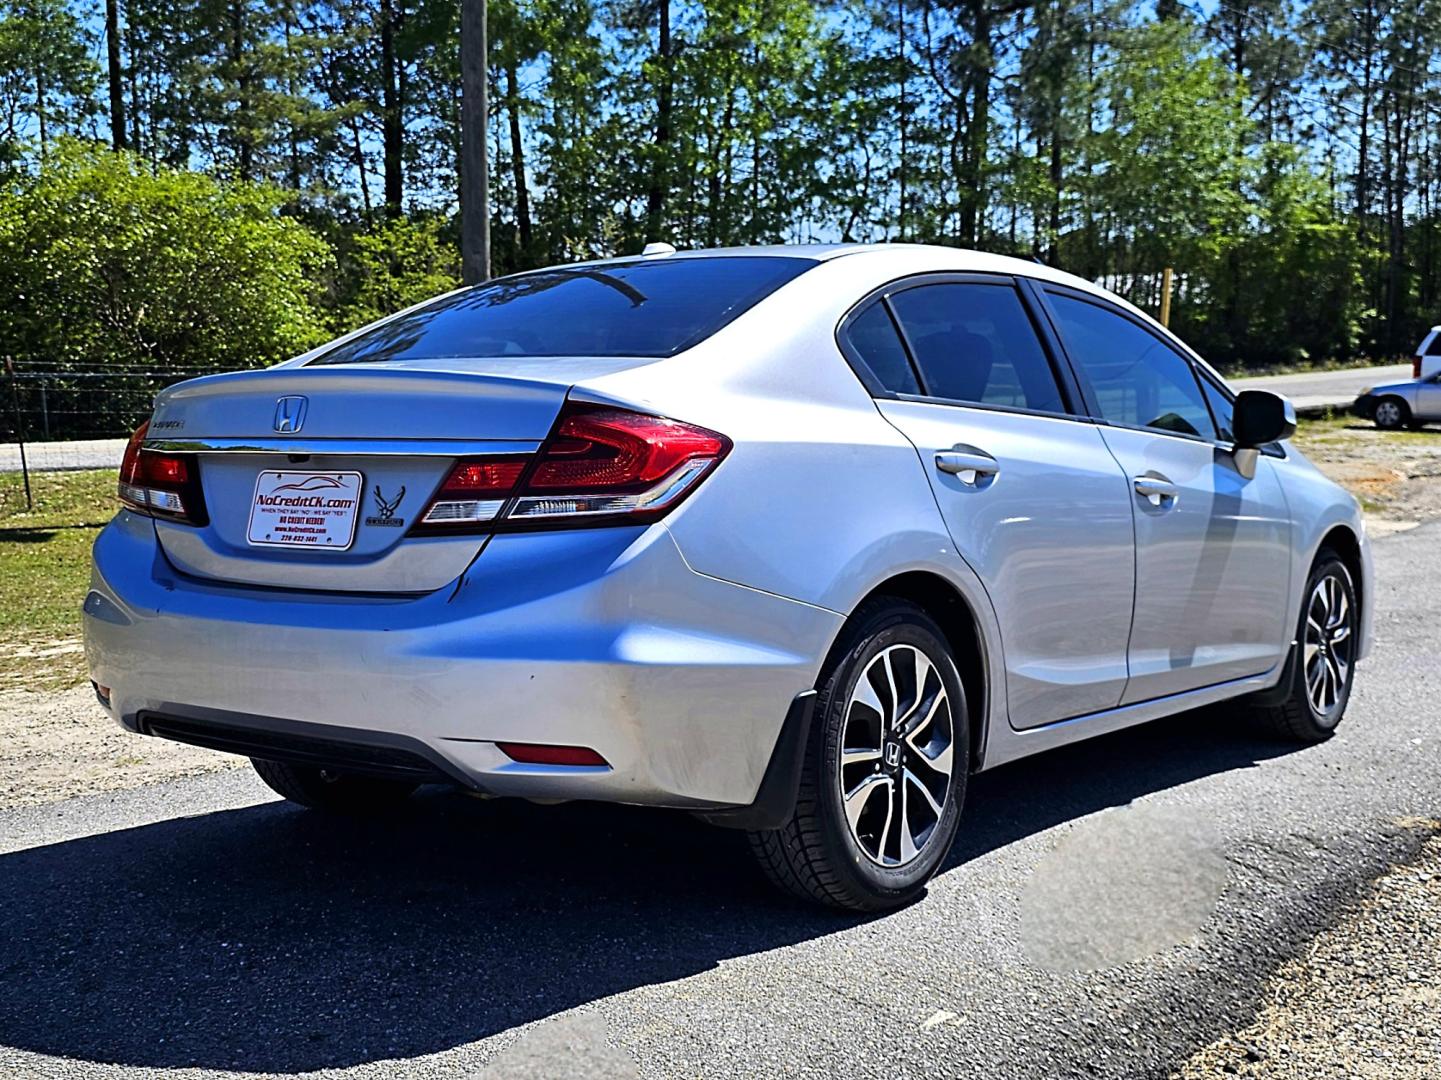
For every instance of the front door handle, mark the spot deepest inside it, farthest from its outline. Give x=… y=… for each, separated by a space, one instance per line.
x=1157 y=490
x=968 y=464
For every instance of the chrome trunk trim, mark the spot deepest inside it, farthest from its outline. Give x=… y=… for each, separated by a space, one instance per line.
x=451 y=448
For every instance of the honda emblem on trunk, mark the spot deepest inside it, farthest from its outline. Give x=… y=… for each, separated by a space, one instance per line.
x=290 y=414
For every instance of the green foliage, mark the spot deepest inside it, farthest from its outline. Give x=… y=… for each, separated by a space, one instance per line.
x=104 y=262
x=1284 y=158
x=392 y=266
x=47 y=76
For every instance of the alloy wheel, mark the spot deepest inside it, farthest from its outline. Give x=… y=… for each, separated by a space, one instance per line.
x=1388 y=414
x=896 y=753
x=1328 y=647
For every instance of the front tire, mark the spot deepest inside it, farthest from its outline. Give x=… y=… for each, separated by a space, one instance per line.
x=326 y=789
x=1324 y=667
x=885 y=767
x=1391 y=414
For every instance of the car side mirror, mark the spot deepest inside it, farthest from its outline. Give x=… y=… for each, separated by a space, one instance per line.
x=1261 y=417
x=1258 y=418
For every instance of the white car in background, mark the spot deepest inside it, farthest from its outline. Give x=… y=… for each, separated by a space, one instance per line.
x=1411 y=403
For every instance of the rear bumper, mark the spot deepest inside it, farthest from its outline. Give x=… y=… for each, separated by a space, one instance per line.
x=601 y=638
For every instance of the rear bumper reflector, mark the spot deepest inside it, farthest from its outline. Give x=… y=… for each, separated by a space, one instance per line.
x=543 y=754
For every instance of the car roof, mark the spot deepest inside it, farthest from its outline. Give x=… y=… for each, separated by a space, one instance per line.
x=929 y=258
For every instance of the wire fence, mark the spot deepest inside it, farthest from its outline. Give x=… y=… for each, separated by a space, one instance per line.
x=76 y=417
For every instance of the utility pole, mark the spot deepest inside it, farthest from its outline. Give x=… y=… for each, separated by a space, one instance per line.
x=1166 y=297
x=901 y=57
x=474 y=148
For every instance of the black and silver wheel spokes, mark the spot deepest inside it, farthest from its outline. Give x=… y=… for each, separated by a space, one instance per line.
x=897 y=748
x=1327 y=646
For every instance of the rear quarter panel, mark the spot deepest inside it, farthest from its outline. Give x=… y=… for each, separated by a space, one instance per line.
x=821 y=499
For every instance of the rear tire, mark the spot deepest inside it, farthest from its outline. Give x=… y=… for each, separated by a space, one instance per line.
x=1391 y=414
x=1324 y=669
x=885 y=767
x=324 y=789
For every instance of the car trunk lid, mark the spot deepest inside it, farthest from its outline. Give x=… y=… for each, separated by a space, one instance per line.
x=313 y=477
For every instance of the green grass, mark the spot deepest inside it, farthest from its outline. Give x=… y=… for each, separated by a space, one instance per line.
x=44 y=568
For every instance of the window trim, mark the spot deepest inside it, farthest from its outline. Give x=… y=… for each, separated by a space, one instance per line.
x=1066 y=384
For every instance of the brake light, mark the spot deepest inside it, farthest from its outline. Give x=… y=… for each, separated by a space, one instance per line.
x=1416 y=366
x=167 y=485
x=599 y=466
x=614 y=464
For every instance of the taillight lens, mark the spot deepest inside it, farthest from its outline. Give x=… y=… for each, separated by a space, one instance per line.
x=167 y=485
x=473 y=494
x=599 y=466
x=1416 y=366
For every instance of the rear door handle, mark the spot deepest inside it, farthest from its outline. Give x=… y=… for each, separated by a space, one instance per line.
x=967 y=463
x=1157 y=490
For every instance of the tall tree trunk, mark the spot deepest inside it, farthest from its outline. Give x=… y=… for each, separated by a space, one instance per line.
x=360 y=166
x=245 y=150
x=392 y=128
x=40 y=111
x=114 y=75
x=972 y=181
x=292 y=90
x=517 y=155
x=655 y=202
x=1053 y=250
x=474 y=147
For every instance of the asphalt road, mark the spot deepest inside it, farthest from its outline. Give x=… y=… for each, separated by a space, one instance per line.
x=1107 y=909
x=54 y=456
x=1325 y=389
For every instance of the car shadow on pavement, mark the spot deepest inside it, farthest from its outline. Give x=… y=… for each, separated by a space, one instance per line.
x=270 y=939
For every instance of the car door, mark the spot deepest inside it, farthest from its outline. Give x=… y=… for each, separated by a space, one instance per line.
x=1213 y=546
x=1030 y=495
x=1428 y=393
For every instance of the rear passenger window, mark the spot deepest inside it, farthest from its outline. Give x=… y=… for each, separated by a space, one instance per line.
x=1138 y=379
x=873 y=336
x=975 y=342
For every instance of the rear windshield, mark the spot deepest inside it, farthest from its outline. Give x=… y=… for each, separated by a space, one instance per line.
x=657 y=307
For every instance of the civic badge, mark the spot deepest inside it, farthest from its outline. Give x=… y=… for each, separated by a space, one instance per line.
x=290 y=414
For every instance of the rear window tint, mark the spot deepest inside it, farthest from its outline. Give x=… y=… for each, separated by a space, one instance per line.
x=658 y=307
x=873 y=336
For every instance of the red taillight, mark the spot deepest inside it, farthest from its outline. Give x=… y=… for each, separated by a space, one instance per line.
x=1416 y=366
x=157 y=483
x=615 y=465
x=545 y=754
x=599 y=466
x=472 y=495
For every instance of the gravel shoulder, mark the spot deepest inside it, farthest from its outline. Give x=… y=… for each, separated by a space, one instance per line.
x=55 y=745
x=1362 y=1001
x=1396 y=475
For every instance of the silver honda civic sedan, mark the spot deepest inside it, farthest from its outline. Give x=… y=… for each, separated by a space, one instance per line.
x=796 y=539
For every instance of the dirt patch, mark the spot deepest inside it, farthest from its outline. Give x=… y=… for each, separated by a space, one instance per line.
x=1362 y=1002
x=56 y=745
x=1396 y=475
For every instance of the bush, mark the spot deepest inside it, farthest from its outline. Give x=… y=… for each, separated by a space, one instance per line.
x=105 y=262
x=395 y=264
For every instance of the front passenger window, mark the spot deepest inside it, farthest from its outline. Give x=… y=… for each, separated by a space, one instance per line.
x=1138 y=379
